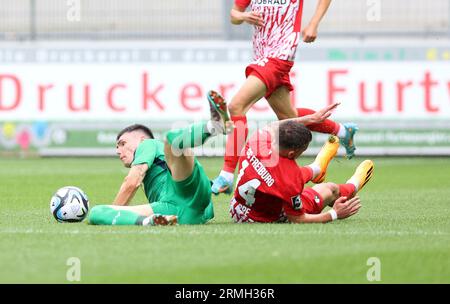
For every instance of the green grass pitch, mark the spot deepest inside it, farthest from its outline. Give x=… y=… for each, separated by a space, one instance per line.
x=404 y=222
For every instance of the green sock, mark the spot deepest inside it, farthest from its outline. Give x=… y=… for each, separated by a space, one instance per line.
x=106 y=215
x=189 y=137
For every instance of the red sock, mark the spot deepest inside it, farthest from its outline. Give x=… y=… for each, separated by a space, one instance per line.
x=235 y=143
x=348 y=190
x=328 y=126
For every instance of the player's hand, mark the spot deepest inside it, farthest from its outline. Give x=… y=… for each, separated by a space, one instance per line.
x=309 y=33
x=345 y=208
x=253 y=18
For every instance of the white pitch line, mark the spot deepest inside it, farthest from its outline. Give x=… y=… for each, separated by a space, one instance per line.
x=151 y=231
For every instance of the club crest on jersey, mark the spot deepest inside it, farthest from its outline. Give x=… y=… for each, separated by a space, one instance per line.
x=271 y=2
x=296 y=202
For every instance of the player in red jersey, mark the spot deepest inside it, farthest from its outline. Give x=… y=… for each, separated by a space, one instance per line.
x=276 y=36
x=270 y=186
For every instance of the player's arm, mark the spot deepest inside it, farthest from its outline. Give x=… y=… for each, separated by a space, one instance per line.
x=310 y=31
x=239 y=15
x=343 y=208
x=130 y=184
x=315 y=118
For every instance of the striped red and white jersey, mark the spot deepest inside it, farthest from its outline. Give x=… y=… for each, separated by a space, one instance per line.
x=280 y=35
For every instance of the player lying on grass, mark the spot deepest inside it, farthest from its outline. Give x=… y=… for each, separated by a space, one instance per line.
x=175 y=183
x=270 y=186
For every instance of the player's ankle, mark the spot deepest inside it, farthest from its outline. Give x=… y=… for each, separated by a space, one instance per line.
x=355 y=182
x=342 y=132
x=316 y=169
x=146 y=221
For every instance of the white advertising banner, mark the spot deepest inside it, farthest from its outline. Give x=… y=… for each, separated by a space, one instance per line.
x=105 y=92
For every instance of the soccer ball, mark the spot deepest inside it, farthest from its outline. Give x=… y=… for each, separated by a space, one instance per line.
x=69 y=204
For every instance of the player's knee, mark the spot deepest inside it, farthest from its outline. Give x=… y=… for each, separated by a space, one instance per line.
x=334 y=189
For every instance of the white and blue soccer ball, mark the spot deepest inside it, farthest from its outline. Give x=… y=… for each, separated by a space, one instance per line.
x=69 y=204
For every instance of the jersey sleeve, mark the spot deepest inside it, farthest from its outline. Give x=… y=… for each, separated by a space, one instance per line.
x=307 y=174
x=145 y=153
x=242 y=3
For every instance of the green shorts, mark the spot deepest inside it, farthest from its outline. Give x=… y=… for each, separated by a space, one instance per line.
x=189 y=199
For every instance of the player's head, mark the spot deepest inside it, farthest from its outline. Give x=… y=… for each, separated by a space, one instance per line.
x=293 y=139
x=128 y=140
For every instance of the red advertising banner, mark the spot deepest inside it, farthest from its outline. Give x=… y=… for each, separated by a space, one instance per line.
x=168 y=92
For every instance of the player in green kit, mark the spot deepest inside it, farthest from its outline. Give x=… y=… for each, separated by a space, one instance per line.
x=175 y=184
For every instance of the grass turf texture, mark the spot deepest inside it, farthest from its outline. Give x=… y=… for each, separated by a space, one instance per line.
x=404 y=222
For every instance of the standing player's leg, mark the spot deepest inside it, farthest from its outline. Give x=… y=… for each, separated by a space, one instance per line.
x=251 y=91
x=345 y=132
x=280 y=102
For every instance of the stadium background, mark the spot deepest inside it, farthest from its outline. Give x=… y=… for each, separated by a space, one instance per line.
x=72 y=72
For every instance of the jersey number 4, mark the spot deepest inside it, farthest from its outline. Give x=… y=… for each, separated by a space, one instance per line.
x=247 y=191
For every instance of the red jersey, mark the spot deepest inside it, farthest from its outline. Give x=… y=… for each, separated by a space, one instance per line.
x=280 y=35
x=268 y=187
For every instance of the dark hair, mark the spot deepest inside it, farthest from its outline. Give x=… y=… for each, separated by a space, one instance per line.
x=293 y=135
x=136 y=127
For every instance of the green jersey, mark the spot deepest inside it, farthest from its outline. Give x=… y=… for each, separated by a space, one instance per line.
x=189 y=199
x=151 y=152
